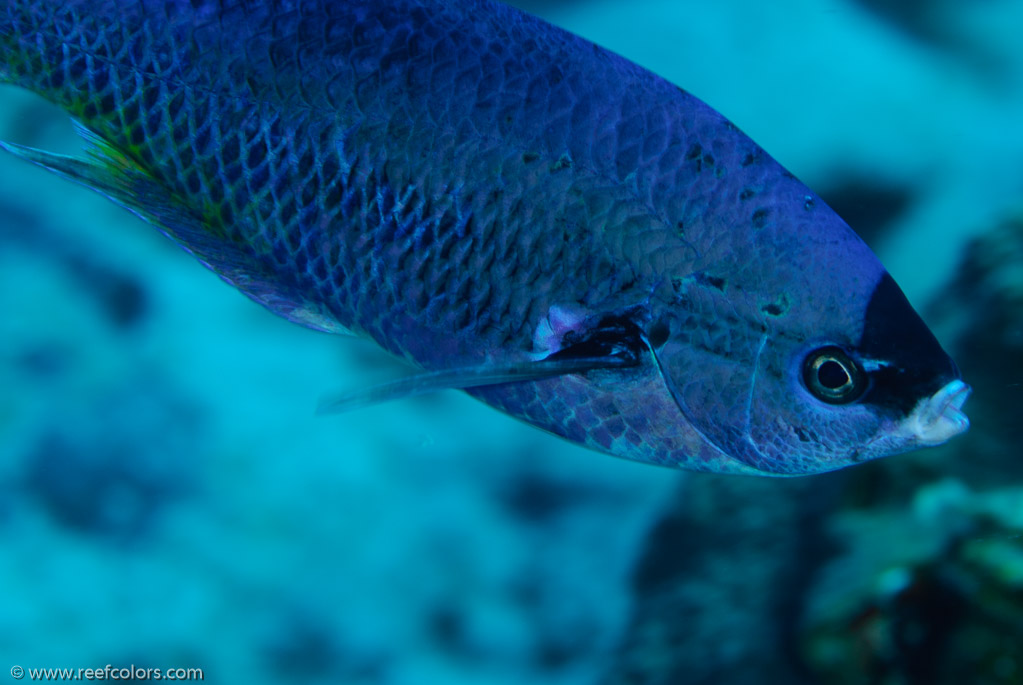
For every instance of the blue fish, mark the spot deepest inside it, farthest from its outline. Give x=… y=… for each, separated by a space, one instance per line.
x=513 y=210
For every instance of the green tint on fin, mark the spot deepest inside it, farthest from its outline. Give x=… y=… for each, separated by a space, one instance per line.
x=115 y=176
x=470 y=377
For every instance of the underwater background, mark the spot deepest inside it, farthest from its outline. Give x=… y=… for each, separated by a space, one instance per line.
x=169 y=498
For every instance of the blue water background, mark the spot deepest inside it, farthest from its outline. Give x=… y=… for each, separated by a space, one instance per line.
x=170 y=499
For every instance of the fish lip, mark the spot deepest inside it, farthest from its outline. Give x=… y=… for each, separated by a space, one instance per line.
x=940 y=417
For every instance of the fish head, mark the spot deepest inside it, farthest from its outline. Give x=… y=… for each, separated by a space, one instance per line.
x=842 y=371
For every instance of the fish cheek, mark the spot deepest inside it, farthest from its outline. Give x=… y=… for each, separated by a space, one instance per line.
x=797 y=433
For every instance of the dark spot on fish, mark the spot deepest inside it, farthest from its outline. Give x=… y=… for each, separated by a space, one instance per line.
x=530 y=157
x=708 y=159
x=563 y=162
x=705 y=279
x=804 y=435
x=89 y=111
x=760 y=218
x=746 y=194
x=678 y=286
x=749 y=159
x=680 y=229
x=778 y=307
x=658 y=334
x=694 y=155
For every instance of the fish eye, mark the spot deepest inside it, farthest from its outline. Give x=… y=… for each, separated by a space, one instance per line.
x=833 y=377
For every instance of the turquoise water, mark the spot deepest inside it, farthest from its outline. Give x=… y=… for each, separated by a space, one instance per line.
x=170 y=499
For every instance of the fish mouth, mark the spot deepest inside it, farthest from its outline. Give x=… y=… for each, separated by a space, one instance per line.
x=940 y=417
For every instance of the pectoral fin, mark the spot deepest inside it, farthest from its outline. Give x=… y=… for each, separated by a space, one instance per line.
x=612 y=346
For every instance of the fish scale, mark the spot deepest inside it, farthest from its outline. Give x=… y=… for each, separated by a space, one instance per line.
x=499 y=202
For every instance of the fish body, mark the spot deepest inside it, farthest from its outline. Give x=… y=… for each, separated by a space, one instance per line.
x=475 y=189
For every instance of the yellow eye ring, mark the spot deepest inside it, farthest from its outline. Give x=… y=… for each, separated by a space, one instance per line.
x=832 y=376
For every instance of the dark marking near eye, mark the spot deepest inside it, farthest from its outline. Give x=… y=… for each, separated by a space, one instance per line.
x=746 y=194
x=760 y=218
x=706 y=279
x=804 y=435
